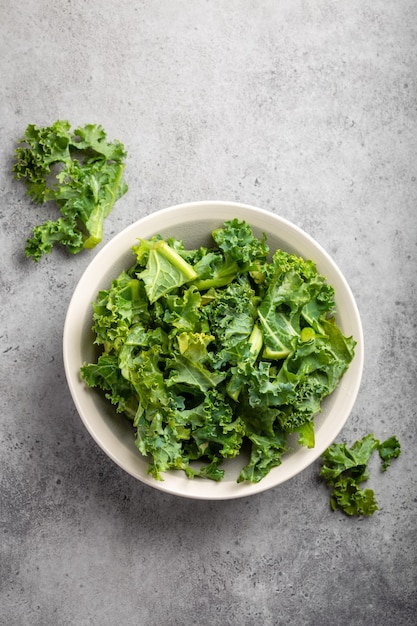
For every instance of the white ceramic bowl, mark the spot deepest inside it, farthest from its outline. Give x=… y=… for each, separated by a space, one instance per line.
x=193 y=223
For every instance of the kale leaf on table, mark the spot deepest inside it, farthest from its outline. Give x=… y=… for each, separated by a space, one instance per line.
x=344 y=469
x=81 y=172
x=215 y=350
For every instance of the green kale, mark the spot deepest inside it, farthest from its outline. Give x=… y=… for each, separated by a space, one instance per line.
x=81 y=172
x=389 y=449
x=237 y=242
x=217 y=351
x=344 y=469
x=165 y=271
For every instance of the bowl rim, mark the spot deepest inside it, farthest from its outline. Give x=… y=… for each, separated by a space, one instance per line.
x=182 y=486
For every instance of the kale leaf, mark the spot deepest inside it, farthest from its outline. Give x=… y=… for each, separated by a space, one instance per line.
x=344 y=469
x=81 y=172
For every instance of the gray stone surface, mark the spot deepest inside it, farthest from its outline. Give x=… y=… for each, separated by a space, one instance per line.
x=304 y=108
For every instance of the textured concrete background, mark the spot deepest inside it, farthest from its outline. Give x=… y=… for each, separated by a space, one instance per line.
x=306 y=108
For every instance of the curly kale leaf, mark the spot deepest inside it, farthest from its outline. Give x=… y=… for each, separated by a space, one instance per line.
x=106 y=375
x=344 y=469
x=81 y=172
x=266 y=453
x=297 y=296
x=388 y=450
x=237 y=241
x=165 y=270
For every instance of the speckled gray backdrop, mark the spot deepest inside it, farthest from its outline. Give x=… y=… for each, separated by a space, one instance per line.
x=306 y=108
